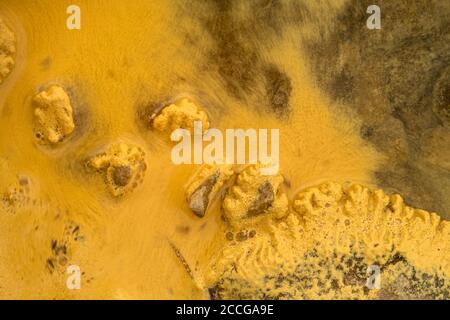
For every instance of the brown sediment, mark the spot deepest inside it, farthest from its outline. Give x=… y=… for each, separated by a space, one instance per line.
x=279 y=89
x=263 y=200
x=374 y=75
x=122 y=175
x=237 y=30
x=441 y=98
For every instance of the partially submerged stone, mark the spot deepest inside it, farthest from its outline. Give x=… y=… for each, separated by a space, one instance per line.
x=123 y=166
x=205 y=186
x=255 y=195
x=53 y=115
x=7 y=51
x=179 y=115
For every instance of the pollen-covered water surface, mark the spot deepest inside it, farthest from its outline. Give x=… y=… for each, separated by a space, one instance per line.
x=87 y=178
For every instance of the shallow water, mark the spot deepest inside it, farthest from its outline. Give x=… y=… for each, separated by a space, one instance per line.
x=230 y=59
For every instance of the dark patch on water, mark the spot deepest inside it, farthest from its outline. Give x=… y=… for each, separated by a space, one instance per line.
x=391 y=78
x=239 y=31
